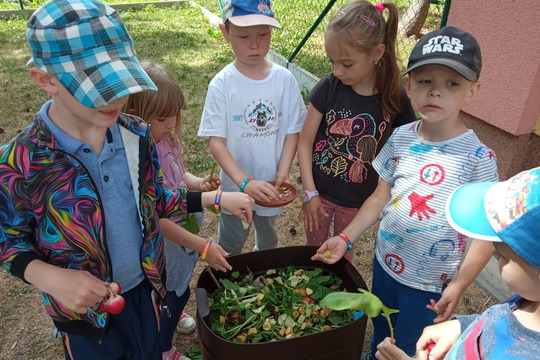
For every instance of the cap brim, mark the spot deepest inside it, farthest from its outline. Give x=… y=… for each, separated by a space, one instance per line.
x=102 y=84
x=455 y=65
x=465 y=211
x=254 y=20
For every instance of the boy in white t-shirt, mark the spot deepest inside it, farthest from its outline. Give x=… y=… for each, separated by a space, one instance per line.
x=253 y=115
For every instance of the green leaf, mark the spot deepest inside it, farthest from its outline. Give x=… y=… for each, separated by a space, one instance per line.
x=370 y=304
x=190 y=223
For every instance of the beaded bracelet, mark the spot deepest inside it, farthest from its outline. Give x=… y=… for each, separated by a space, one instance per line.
x=244 y=183
x=206 y=248
x=217 y=201
x=347 y=240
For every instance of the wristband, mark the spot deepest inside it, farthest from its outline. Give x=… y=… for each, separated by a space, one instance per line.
x=244 y=183
x=206 y=248
x=217 y=201
x=347 y=240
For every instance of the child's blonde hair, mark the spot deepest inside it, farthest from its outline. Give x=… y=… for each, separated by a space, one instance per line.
x=361 y=25
x=167 y=101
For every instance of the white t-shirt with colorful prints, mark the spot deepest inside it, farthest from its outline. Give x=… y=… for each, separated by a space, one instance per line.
x=415 y=244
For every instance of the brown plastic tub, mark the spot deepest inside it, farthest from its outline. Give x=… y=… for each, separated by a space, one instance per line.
x=341 y=343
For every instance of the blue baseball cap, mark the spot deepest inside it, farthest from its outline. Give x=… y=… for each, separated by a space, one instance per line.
x=87 y=46
x=507 y=211
x=249 y=13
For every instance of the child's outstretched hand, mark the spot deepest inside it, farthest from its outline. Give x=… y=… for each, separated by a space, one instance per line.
x=387 y=350
x=331 y=251
x=216 y=258
x=448 y=302
x=239 y=204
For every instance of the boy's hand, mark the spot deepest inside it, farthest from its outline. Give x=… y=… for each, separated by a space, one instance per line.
x=331 y=251
x=216 y=258
x=444 y=335
x=280 y=179
x=446 y=305
x=387 y=350
x=261 y=191
x=75 y=289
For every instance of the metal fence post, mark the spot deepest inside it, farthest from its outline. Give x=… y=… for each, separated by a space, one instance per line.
x=446 y=10
x=311 y=29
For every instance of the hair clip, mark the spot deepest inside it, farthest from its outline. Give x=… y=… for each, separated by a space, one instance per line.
x=380 y=7
x=367 y=19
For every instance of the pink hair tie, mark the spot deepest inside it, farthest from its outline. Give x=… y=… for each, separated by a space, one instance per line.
x=380 y=7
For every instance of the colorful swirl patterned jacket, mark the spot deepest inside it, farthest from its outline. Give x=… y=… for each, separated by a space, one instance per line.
x=50 y=209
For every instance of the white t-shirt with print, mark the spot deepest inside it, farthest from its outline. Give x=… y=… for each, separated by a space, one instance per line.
x=254 y=116
x=415 y=244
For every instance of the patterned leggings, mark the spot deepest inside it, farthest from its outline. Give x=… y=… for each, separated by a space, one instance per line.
x=341 y=217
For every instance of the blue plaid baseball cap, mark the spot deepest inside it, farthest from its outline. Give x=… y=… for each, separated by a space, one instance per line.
x=87 y=46
x=249 y=13
x=507 y=211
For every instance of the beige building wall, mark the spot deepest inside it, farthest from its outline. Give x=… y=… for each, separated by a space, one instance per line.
x=506 y=112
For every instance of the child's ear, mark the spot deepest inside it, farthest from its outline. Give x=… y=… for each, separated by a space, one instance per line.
x=407 y=83
x=378 y=52
x=475 y=86
x=44 y=80
x=224 y=32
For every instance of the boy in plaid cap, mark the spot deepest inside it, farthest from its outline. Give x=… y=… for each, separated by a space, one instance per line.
x=81 y=190
x=420 y=265
x=252 y=115
x=508 y=215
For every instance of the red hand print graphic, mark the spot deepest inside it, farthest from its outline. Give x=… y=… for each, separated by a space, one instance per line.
x=419 y=205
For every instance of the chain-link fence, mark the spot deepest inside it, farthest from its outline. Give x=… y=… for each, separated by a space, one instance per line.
x=301 y=40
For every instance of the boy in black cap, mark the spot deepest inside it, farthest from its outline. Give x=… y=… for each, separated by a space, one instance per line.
x=81 y=191
x=508 y=215
x=417 y=253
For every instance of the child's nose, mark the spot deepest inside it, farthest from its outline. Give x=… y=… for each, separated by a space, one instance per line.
x=337 y=71
x=435 y=91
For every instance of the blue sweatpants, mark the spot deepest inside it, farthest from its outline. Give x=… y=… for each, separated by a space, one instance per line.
x=132 y=334
x=412 y=318
x=170 y=317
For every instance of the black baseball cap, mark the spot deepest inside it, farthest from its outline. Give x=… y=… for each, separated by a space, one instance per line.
x=450 y=47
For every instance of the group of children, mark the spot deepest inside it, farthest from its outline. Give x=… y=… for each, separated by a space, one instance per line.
x=89 y=189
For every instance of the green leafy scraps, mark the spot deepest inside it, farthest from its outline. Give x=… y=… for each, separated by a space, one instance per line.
x=278 y=304
x=370 y=304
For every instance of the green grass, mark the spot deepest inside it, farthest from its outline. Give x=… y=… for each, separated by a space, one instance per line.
x=180 y=38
